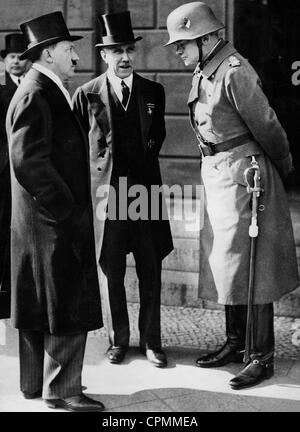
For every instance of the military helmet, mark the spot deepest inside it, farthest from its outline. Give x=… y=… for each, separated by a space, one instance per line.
x=191 y=21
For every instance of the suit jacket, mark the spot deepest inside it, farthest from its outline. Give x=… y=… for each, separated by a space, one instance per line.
x=92 y=105
x=54 y=279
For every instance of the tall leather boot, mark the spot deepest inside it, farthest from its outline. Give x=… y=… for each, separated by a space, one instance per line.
x=261 y=363
x=233 y=349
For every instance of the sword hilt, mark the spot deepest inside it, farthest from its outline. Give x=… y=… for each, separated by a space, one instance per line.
x=252 y=179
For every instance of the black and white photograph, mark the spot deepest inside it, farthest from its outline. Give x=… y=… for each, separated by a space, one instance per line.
x=149 y=210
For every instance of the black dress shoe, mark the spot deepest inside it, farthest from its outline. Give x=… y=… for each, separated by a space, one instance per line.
x=116 y=354
x=156 y=356
x=253 y=374
x=35 y=395
x=223 y=356
x=80 y=403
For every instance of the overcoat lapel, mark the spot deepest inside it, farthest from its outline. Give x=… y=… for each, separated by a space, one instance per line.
x=193 y=96
x=100 y=106
x=207 y=71
x=10 y=83
x=195 y=88
x=55 y=94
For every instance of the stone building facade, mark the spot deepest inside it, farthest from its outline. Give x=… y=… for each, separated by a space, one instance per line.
x=179 y=156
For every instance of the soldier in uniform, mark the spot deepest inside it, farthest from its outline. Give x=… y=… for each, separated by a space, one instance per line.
x=233 y=121
x=14 y=73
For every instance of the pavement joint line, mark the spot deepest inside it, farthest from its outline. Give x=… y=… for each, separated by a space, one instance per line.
x=166 y=403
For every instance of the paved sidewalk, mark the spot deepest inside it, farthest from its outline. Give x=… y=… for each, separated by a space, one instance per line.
x=137 y=386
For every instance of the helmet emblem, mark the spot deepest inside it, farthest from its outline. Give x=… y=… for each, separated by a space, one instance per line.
x=186 y=22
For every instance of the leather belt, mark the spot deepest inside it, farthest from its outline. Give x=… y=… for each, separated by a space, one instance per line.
x=209 y=149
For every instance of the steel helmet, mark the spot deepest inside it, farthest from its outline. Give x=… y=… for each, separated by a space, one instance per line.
x=191 y=21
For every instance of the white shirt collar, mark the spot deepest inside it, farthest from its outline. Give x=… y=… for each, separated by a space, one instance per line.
x=116 y=84
x=15 y=78
x=54 y=78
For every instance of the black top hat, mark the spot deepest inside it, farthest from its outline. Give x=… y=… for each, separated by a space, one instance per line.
x=116 y=29
x=45 y=30
x=14 y=43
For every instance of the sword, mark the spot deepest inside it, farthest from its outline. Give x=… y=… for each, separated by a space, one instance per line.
x=252 y=178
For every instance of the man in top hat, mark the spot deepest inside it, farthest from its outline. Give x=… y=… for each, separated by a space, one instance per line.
x=55 y=291
x=15 y=68
x=14 y=72
x=123 y=116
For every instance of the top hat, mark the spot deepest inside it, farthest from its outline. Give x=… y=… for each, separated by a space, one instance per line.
x=14 y=43
x=116 y=29
x=45 y=30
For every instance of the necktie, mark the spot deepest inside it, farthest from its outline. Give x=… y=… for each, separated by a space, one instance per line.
x=125 y=93
x=19 y=81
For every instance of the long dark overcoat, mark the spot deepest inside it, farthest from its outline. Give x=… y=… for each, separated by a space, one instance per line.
x=228 y=103
x=92 y=105
x=54 y=275
x=6 y=93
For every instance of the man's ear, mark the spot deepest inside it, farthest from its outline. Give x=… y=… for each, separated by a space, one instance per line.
x=103 y=55
x=205 y=39
x=46 y=55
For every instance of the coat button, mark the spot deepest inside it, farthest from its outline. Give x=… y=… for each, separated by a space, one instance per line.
x=99 y=169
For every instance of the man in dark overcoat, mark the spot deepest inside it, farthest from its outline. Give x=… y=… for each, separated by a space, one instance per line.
x=123 y=116
x=235 y=127
x=55 y=291
x=14 y=73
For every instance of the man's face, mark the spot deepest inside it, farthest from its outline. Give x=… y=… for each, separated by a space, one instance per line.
x=188 y=51
x=14 y=65
x=64 y=59
x=120 y=59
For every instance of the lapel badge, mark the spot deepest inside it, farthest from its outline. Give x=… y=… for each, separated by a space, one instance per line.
x=150 y=108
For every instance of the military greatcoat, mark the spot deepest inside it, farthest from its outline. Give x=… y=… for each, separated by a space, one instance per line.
x=227 y=104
